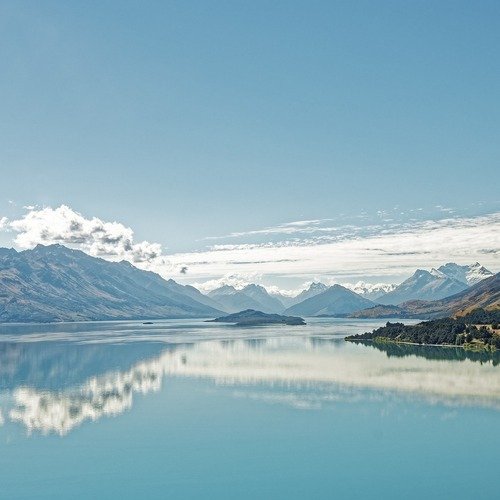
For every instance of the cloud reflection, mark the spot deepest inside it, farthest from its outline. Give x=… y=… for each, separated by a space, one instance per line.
x=107 y=395
x=298 y=372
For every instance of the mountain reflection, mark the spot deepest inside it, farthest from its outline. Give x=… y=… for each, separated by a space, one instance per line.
x=301 y=372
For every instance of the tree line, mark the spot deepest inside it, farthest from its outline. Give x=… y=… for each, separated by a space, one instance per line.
x=476 y=327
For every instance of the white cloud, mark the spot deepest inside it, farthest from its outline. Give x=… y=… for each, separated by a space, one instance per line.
x=95 y=236
x=384 y=251
x=300 y=227
x=3 y=222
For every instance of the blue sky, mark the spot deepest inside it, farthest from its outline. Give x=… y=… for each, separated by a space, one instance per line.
x=189 y=120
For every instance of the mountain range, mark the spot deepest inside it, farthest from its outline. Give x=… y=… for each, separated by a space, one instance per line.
x=252 y=296
x=436 y=284
x=314 y=289
x=484 y=294
x=55 y=283
x=372 y=291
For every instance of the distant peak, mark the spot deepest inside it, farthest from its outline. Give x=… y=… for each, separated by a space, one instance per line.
x=338 y=287
x=436 y=273
x=253 y=286
x=315 y=285
x=40 y=247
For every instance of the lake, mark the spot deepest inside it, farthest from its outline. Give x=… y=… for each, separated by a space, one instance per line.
x=188 y=409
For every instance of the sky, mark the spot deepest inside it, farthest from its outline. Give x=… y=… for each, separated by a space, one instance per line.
x=279 y=142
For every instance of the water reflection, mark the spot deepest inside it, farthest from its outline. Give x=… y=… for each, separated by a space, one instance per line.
x=107 y=395
x=54 y=388
x=436 y=352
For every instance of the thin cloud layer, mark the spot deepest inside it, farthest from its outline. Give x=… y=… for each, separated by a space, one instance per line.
x=384 y=251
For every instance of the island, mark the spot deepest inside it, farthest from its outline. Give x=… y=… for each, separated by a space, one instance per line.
x=251 y=317
x=478 y=330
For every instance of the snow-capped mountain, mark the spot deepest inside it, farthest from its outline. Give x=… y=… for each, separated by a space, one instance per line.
x=372 y=291
x=435 y=284
x=423 y=285
x=470 y=275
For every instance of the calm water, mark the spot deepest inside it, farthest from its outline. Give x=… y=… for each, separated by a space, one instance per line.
x=195 y=410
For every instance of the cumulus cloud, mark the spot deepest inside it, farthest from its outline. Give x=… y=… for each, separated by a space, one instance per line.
x=93 y=235
x=3 y=222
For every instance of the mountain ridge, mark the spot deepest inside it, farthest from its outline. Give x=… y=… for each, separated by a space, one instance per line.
x=56 y=283
x=335 y=300
x=485 y=295
x=423 y=285
x=252 y=296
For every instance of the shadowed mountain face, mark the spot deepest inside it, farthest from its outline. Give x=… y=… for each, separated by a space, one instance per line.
x=250 y=297
x=333 y=301
x=55 y=283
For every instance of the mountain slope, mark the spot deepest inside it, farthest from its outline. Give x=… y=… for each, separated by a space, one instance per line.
x=289 y=300
x=485 y=295
x=55 y=283
x=232 y=300
x=267 y=302
x=193 y=293
x=423 y=285
x=315 y=288
x=333 y=301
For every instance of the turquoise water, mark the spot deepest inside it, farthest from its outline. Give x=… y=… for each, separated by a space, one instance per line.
x=186 y=409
